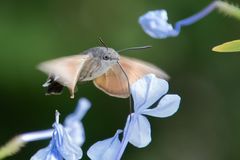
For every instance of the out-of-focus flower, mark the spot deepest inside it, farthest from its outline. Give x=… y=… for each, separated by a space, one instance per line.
x=73 y=122
x=146 y=92
x=155 y=24
x=60 y=144
x=60 y=147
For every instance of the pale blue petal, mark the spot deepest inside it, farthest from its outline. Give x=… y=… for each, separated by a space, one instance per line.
x=72 y=122
x=147 y=90
x=82 y=107
x=106 y=149
x=65 y=145
x=140 y=131
x=76 y=132
x=126 y=128
x=167 y=106
x=155 y=24
x=60 y=147
x=48 y=153
x=125 y=139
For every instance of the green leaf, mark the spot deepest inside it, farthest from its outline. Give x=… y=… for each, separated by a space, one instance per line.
x=232 y=46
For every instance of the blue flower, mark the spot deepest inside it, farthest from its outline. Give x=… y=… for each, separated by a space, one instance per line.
x=61 y=146
x=73 y=122
x=106 y=149
x=146 y=92
x=66 y=140
x=155 y=24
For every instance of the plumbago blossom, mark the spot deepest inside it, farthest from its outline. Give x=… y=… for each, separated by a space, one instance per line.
x=150 y=99
x=62 y=146
x=66 y=139
x=73 y=123
x=155 y=23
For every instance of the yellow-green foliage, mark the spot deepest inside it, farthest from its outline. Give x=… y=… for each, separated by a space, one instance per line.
x=233 y=46
x=11 y=147
x=228 y=9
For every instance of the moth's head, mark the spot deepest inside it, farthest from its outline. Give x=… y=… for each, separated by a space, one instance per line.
x=106 y=55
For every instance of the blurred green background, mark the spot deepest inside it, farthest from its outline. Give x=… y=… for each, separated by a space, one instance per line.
x=207 y=124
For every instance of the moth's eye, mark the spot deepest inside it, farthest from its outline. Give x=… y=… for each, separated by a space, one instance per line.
x=106 y=57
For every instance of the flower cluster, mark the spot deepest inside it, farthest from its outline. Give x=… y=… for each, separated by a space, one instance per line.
x=150 y=99
x=146 y=92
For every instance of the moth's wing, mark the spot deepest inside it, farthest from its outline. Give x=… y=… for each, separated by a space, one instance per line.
x=136 y=69
x=64 y=70
x=114 y=82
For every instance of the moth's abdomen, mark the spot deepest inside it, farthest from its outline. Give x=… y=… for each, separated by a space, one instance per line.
x=53 y=87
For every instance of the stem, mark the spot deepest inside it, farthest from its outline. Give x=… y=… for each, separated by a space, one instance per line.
x=196 y=17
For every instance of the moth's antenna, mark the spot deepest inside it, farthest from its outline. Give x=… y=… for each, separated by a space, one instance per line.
x=102 y=42
x=134 y=48
x=129 y=89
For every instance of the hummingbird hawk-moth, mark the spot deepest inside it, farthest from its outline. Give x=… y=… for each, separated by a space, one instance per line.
x=109 y=71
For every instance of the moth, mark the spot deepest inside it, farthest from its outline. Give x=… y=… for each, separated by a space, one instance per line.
x=109 y=71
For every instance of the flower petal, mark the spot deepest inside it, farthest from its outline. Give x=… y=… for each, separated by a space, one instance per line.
x=106 y=149
x=140 y=131
x=76 y=131
x=60 y=147
x=72 y=122
x=155 y=24
x=48 y=153
x=167 y=106
x=82 y=107
x=65 y=145
x=147 y=90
